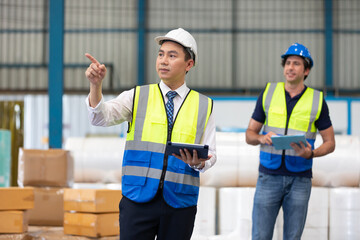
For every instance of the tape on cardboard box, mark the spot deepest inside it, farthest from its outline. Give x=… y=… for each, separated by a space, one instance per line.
x=91 y=224
x=92 y=200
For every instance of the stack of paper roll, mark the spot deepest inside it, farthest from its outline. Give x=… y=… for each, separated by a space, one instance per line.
x=237 y=162
x=206 y=212
x=316 y=226
x=340 y=168
x=225 y=172
x=248 y=157
x=344 y=213
x=235 y=210
x=96 y=159
x=235 y=206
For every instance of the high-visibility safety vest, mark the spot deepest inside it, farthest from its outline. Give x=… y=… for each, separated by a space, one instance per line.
x=146 y=167
x=301 y=121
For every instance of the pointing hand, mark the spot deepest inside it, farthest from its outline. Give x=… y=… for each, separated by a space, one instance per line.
x=96 y=72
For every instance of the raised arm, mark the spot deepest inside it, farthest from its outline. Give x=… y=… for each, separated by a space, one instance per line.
x=95 y=73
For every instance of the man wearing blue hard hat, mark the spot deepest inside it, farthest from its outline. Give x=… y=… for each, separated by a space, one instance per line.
x=282 y=109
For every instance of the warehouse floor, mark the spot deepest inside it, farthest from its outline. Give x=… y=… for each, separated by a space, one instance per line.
x=48 y=233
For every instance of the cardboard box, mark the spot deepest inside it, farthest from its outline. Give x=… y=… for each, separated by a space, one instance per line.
x=91 y=224
x=13 y=221
x=45 y=168
x=92 y=200
x=48 y=207
x=16 y=198
x=5 y=157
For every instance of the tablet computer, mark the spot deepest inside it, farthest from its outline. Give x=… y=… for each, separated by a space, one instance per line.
x=283 y=142
x=174 y=147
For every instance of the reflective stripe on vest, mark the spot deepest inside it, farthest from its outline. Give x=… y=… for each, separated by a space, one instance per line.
x=144 y=156
x=302 y=121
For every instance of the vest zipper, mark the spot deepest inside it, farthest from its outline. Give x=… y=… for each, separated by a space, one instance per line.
x=285 y=133
x=162 y=178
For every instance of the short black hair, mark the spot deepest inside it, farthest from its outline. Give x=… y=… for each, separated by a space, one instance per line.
x=186 y=50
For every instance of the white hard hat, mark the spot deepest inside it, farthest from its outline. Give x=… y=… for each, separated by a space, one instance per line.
x=182 y=37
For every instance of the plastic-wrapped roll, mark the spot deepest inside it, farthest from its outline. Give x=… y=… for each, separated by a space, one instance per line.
x=316 y=226
x=205 y=217
x=97 y=159
x=224 y=173
x=346 y=220
x=235 y=208
x=320 y=233
x=345 y=198
x=248 y=165
x=237 y=162
x=344 y=213
x=329 y=171
x=318 y=208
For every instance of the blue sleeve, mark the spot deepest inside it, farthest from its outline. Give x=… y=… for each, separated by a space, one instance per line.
x=259 y=114
x=324 y=121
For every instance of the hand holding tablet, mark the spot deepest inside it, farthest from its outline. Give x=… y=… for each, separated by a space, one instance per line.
x=283 y=142
x=173 y=147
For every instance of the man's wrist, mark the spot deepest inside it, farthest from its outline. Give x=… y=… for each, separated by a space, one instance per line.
x=198 y=166
x=311 y=155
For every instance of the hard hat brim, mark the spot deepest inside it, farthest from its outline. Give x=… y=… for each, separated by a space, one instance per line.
x=310 y=61
x=160 y=39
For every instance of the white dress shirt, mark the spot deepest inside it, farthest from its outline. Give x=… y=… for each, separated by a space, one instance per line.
x=119 y=109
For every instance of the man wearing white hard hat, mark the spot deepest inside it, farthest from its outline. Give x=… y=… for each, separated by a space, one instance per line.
x=284 y=109
x=160 y=189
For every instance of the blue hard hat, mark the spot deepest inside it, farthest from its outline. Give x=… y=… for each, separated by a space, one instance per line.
x=299 y=50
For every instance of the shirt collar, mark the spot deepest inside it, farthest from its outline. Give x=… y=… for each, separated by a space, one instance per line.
x=287 y=94
x=181 y=91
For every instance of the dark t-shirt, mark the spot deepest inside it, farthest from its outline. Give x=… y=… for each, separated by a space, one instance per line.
x=322 y=123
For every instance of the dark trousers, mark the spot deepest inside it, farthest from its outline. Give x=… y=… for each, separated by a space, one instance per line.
x=144 y=221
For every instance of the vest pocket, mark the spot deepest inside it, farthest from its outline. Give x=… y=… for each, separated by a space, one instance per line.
x=134 y=180
x=297 y=164
x=186 y=189
x=136 y=167
x=270 y=160
x=301 y=124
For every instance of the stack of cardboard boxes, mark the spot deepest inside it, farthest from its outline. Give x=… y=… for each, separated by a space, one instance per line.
x=49 y=172
x=14 y=203
x=50 y=175
x=91 y=212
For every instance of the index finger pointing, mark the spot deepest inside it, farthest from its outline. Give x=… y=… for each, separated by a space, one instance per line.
x=92 y=59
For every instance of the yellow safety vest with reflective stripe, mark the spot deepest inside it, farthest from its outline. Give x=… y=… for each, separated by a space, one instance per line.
x=301 y=121
x=146 y=167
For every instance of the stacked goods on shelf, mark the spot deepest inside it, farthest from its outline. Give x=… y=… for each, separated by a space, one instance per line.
x=48 y=172
x=91 y=212
x=14 y=204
